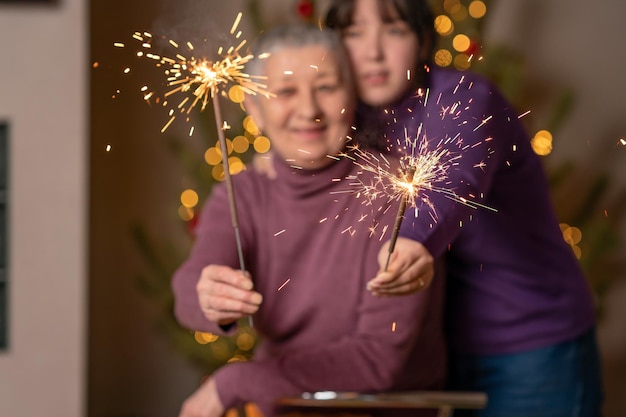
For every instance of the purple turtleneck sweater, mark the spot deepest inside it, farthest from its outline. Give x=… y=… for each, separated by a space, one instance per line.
x=513 y=283
x=310 y=249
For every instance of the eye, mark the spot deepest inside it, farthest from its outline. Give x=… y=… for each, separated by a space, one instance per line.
x=327 y=87
x=351 y=32
x=398 y=28
x=284 y=92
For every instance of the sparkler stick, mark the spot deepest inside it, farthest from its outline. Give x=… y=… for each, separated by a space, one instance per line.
x=404 y=200
x=203 y=77
x=228 y=179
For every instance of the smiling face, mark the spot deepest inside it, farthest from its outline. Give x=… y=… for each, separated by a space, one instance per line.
x=312 y=107
x=383 y=49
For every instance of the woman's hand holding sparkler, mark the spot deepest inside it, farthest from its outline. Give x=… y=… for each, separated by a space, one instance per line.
x=410 y=269
x=226 y=294
x=205 y=402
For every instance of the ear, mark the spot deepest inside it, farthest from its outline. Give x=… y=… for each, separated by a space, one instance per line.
x=253 y=108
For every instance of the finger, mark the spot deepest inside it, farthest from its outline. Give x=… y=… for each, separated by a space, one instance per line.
x=411 y=287
x=224 y=304
x=216 y=290
x=227 y=275
x=419 y=277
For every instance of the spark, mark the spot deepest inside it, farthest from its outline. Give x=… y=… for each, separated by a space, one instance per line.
x=284 y=283
x=199 y=79
x=423 y=169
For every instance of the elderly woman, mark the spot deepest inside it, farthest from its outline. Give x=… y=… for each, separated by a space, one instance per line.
x=310 y=246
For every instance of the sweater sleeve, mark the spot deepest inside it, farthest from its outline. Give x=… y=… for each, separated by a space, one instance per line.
x=372 y=358
x=482 y=133
x=214 y=244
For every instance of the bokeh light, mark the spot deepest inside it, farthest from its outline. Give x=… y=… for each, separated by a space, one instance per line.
x=189 y=198
x=245 y=341
x=477 y=9
x=213 y=156
x=250 y=125
x=203 y=337
x=573 y=236
x=542 y=143
x=262 y=144
x=462 y=62
x=461 y=43
x=444 y=25
x=240 y=144
x=186 y=213
x=236 y=94
x=443 y=58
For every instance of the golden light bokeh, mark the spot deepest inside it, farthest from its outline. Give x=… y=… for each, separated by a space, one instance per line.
x=542 y=143
x=235 y=165
x=573 y=236
x=250 y=125
x=262 y=144
x=245 y=341
x=443 y=58
x=236 y=94
x=444 y=25
x=203 y=337
x=241 y=144
x=461 y=43
x=189 y=198
x=213 y=156
x=477 y=9
x=462 y=62
x=186 y=213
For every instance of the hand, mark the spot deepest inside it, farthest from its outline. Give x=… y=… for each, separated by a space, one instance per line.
x=205 y=402
x=225 y=294
x=411 y=269
x=263 y=164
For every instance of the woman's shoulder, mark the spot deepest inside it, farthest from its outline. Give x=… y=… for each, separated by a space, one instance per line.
x=448 y=80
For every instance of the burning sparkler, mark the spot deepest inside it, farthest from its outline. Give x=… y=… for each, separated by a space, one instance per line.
x=197 y=80
x=420 y=171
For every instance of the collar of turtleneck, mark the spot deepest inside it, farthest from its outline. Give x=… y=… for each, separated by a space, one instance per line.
x=301 y=183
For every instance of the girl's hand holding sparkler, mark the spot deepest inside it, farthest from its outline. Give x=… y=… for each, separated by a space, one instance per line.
x=226 y=294
x=410 y=269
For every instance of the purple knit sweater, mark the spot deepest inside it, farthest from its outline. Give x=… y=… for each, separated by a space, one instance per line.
x=513 y=283
x=310 y=250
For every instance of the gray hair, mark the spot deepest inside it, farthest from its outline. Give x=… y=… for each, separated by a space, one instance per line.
x=296 y=35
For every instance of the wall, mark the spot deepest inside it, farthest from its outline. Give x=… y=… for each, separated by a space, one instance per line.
x=43 y=97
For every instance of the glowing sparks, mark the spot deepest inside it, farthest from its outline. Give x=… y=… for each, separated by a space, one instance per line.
x=416 y=172
x=422 y=170
x=197 y=78
x=284 y=283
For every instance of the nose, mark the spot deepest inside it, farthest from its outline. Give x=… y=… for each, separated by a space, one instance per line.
x=375 y=50
x=308 y=106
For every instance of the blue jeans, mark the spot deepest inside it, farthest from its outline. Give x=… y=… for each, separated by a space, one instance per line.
x=562 y=380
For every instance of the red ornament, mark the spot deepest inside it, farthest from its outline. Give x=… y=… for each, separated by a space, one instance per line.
x=473 y=48
x=305 y=9
x=191 y=224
